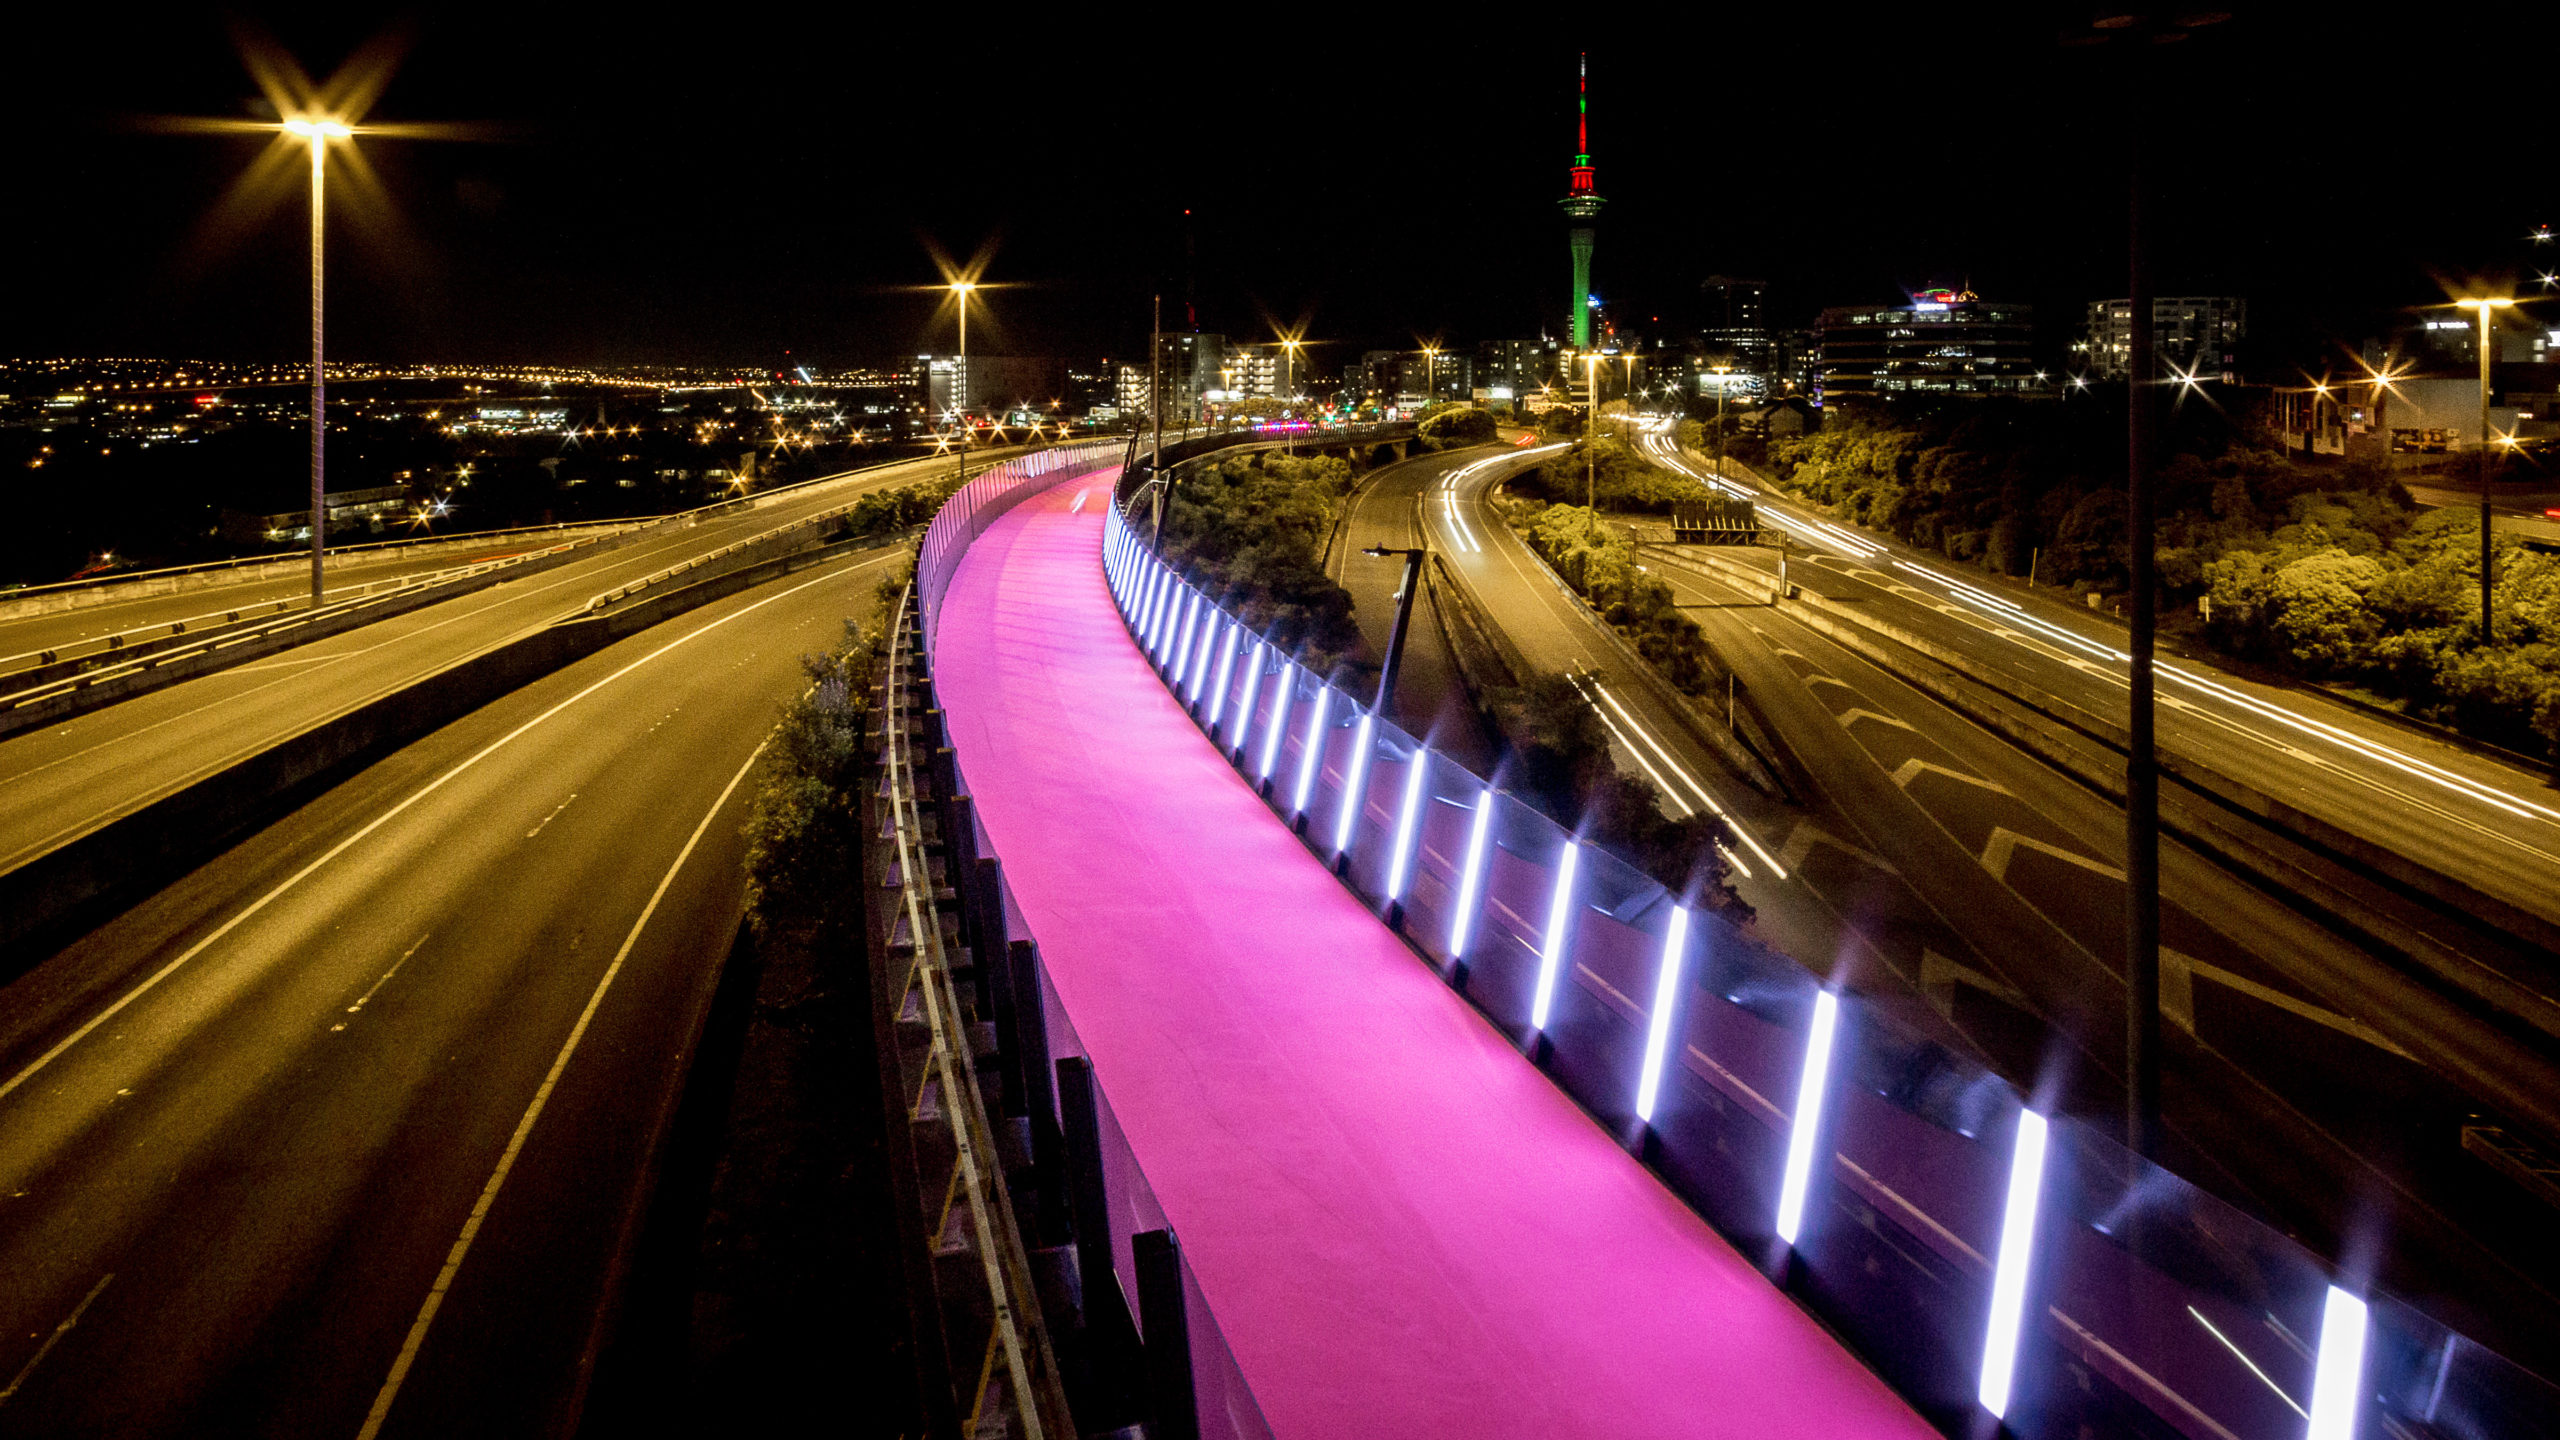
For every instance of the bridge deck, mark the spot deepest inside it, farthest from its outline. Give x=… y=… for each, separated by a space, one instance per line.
x=1404 y=1228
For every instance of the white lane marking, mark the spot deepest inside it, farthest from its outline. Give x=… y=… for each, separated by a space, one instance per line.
x=1806 y=835
x=563 y=805
x=2179 y=972
x=1078 y=507
x=385 y=818
x=524 y=1127
x=2005 y=844
x=386 y=975
x=55 y=1338
x=1861 y=713
x=1939 y=977
x=1913 y=769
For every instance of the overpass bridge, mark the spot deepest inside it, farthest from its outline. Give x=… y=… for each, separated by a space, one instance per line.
x=1452 y=1124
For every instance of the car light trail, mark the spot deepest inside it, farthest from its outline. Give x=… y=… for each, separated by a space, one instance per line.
x=2011 y=613
x=1700 y=790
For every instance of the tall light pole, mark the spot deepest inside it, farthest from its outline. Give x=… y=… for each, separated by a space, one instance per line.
x=1430 y=376
x=960 y=372
x=318 y=133
x=1723 y=374
x=1591 y=431
x=2487 y=308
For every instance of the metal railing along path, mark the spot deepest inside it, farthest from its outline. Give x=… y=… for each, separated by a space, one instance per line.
x=1997 y=1263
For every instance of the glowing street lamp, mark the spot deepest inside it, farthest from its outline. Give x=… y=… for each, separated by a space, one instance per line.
x=318 y=132
x=2488 y=308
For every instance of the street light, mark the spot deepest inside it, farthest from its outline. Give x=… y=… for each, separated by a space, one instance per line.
x=1430 y=376
x=2488 y=309
x=960 y=291
x=1591 y=430
x=1723 y=372
x=318 y=132
x=1404 y=614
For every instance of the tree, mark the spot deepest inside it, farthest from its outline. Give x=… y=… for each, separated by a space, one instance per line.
x=1457 y=427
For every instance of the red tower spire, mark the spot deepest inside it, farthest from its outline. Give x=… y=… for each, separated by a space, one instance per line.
x=1582 y=183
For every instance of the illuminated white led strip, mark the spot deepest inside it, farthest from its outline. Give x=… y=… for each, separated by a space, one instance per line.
x=1352 y=782
x=1400 y=859
x=2009 y=1275
x=1657 y=1029
x=1551 y=953
x=1192 y=605
x=1808 y=1117
x=1471 y=876
x=1159 y=580
x=1234 y=633
x=2337 y=1385
x=1244 y=702
x=1284 y=686
x=1213 y=623
x=1313 y=757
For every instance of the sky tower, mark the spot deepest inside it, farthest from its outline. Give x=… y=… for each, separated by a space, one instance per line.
x=1582 y=205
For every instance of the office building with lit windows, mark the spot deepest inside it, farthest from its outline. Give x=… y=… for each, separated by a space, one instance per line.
x=2197 y=333
x=1939 y=342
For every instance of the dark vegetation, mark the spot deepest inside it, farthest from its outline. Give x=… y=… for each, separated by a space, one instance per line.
x=1559 y=760
x=1251 y=532
x=2323 y=570
x=768 y=1274
x=1456 y=428
x=1598 y=560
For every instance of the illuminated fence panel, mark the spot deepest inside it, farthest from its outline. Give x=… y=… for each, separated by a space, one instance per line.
x=1974 y=1269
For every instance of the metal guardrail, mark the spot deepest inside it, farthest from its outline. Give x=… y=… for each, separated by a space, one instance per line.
x=50 y=679
x=685 y=567
x=335 y=553
x=1032 y=1405
x=133 y=643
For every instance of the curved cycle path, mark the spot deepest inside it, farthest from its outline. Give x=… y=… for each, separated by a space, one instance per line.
x=1403 y=1228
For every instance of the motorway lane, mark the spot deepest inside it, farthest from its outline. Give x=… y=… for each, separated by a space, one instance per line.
x=1821 y=893
x=2491 y=825
x=2306 y=1091
x=27 y=634
x=1431 y=699
x=274 y=1148
x=60 y=782
x=1965 y=872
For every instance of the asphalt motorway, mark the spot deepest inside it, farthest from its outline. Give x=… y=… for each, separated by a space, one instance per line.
x=23 y=636
x=1950 y=876
x=62 y=781
x=343 y=1133
x=1430 y=699
x=2493 y=826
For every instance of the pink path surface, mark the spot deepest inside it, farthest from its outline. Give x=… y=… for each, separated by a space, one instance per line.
x=1403 y=1228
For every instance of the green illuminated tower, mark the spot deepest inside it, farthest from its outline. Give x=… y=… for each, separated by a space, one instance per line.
x=1582 y=205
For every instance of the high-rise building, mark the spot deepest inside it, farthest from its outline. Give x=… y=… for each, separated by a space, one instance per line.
x=1937 y=342
x=1516 y=366
x=2199 y=333
x=1581 y=204
x=1736 y=328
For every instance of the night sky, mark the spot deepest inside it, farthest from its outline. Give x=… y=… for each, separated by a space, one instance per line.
x=722 y=184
